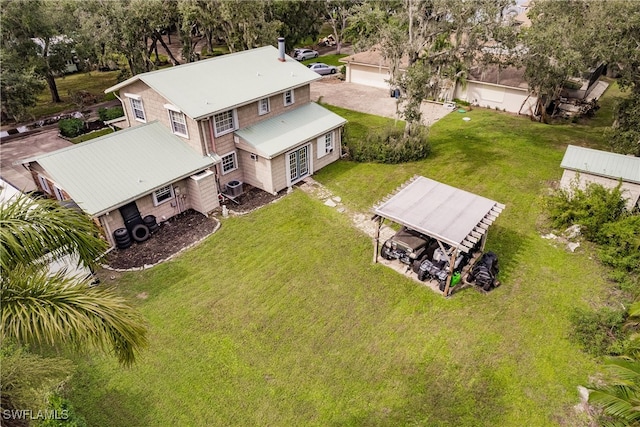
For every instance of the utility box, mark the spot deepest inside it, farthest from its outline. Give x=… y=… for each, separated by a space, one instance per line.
x=234 y=188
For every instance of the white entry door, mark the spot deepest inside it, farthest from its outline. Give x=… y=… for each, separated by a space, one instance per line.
x=298 y=164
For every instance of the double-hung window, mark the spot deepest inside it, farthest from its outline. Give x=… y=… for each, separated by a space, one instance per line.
x=178 y=120
x=224 y=122
x=229 y=162
x=263 y=106
x=44 y=184
x=162 y=195
x=136 y=107
x=288 y=97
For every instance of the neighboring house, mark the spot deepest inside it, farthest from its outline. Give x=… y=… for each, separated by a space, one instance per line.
x=197 y=131
x=583 y=166
x=128 y=175
x=369 y=68
x=504 y=89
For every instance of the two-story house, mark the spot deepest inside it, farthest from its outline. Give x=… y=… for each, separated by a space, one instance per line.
x=246 y=118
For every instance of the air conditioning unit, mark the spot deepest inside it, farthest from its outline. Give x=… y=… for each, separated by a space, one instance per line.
x=234 y=188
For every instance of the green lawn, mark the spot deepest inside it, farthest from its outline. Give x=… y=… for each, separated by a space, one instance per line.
x=94 y=82
x=281 y=319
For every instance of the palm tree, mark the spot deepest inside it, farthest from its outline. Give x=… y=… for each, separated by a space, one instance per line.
x=619 y=397
x=52 y=309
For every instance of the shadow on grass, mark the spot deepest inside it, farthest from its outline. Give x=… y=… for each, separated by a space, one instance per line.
x=108 y=405
x=509 y=245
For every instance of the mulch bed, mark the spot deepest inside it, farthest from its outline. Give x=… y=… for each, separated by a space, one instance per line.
x=173 y=235
x=179 y=232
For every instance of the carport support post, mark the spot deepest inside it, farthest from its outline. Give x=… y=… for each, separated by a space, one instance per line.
x=376 y=239
x=452 y=262
x=483 y=240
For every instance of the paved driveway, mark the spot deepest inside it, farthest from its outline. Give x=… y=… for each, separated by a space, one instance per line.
x=24 y=147
x=368 y=99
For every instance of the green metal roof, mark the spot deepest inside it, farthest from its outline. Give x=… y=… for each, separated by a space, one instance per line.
x=105 y=173
x=603 y=163
x=205 y=87
x=283 y=132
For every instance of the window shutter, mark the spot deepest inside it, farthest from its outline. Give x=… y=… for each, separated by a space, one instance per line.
x=321 y=149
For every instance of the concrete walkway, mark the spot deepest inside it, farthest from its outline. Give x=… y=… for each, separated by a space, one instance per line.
x=367 y=99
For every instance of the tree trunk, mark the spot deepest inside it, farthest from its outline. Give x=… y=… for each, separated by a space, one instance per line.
x=174 y=61
x=53 y=89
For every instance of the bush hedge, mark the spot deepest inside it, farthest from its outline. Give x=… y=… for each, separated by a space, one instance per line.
x=390 y=145
x=107 y=114
x=71 y=127
x=604 y=220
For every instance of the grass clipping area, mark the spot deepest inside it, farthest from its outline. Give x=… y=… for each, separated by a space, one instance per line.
x=280 y=318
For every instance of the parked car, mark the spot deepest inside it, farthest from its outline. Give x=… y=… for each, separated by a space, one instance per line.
x=303 y=54
x=323 y=69
x=407 y=246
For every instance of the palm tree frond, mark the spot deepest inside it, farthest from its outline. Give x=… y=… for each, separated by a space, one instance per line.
x=30 y=229
x=58 y=310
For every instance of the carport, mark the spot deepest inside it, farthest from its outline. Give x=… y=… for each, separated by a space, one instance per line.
x=447 y=214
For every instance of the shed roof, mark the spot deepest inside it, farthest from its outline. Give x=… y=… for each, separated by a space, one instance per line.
x=273 y=137
x=206 y=87
x=105 y=173
x=602 y=163
x=451 y=215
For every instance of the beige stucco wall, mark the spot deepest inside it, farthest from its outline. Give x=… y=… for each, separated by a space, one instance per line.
x=494 y=96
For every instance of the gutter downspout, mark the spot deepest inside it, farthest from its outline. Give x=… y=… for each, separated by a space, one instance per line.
x=123 y=108
x=213 y=145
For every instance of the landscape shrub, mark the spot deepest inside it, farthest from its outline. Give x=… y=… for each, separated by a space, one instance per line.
x=71 y=127
x=599 y=332
x=620 y=242
x=390 y=145
x=107 y=114
x=591 y=208
x=66 y=416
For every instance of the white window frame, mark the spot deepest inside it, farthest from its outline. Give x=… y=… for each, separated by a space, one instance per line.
x=262 y=111
x=233 y=156
x=298 y=177
x=155 y=195
x=326 y=144
x=44 y=184
x=234 y=126
x=132 y=100
x=179 y=115
x=58 y=192
x=284 y=97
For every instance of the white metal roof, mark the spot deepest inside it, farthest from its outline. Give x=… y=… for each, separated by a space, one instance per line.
x=107 y=172
x=602 y=163
x=451 y=215
x=283 y=132
x=206 y=87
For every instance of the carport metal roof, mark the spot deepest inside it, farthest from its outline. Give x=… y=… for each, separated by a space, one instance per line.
x=448 y=214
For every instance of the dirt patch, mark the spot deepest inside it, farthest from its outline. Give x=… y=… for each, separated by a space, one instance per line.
x=250 y=200
x=173 y=235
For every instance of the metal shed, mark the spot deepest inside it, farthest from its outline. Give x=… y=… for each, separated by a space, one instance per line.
x=456 y=217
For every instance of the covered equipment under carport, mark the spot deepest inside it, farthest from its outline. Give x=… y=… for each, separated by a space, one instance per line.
x=449 y=215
